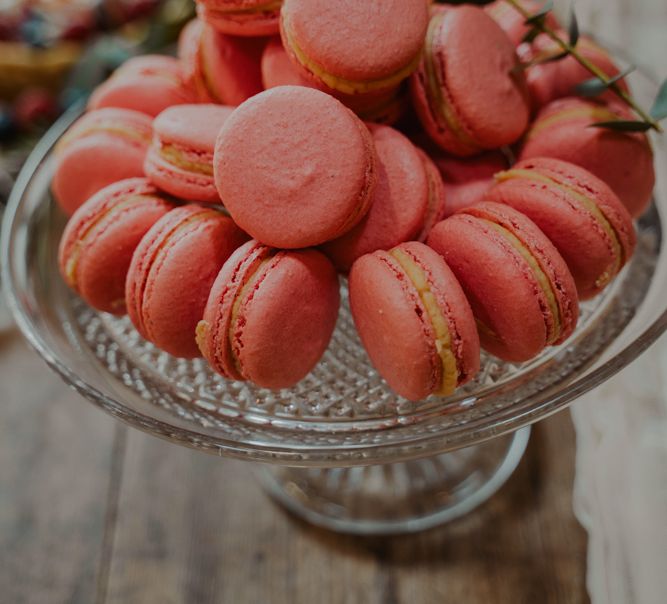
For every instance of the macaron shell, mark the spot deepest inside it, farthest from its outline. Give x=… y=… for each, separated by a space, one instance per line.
x=390 y=318
x=492 y=101
x=558 y=79
x=277 y=67
x=399 y=204
x=191 y=132
x=474 y=63
x=103 y=268
x=286 y=324
x=546 y=255
x=192 y=126
x=398 y=341
x=258 y=23
x=455 y=307
x=189 y=56
x=357 y=41
x=172 y=272
x=313 y=167
x=107 y=237
x=176 y=181
x=231 y=66
x=437 y=203
x=581 y=239
x=213 y=331
x=150 y=95
x=623 y=160
x=91 y=163
x=512 y=22
x=466 y=180
x=148 y=84
x=510 y=308
x=100 y=148
x=151 y=65
x=275 y=332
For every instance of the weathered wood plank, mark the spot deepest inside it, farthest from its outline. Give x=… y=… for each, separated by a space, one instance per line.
x=55 y=455
x=193 y=528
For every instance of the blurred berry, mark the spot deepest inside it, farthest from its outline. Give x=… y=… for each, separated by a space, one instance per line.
x=34 y=107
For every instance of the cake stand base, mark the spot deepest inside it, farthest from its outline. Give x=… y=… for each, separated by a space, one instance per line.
x=399 y=497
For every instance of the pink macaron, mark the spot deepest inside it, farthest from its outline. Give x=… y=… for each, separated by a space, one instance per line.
x=294 y=167
x=149 y=84
x=220 y=68
x=578 y=212
x=406 y=201
x=172 y=271
x=553 y=80
x=468 y=92
x=414 y=321
x=241 y=17
x=519 y=287
x=467 y=179
x=352 y=47
x=624 y=160
x=278 y=69
x=100 y=238
x=180 y=159
x=270 y=315
x=100 y=148
x=512 y=22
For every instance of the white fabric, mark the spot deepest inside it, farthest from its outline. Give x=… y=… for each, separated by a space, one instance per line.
x=620 y=493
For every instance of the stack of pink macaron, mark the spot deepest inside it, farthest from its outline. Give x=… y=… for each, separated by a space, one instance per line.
x=216 y=197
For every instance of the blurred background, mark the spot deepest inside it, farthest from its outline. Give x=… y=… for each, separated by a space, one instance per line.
x=91 y=511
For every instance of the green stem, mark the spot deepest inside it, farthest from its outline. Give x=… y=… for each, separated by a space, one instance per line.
x=596 y=71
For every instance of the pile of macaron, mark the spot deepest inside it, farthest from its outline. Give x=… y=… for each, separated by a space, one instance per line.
x=216 y=198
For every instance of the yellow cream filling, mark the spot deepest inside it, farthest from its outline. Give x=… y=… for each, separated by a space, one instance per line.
x=110 y=127
x=441 y=106
x=541 y=277
x=595 y=113
x=443 y=340
x=342 y=84
x=72 y=262
x=589 y=205
x=242 y=295
x=179 y=158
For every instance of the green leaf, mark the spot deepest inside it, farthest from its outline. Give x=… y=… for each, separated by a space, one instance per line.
x=659 y=109
x=540 y=15
x=623 y=125
x=595 y=86
x=532 y=33
x=574 y=27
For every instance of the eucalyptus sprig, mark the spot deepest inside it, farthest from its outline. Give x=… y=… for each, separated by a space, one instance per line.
x=601 y=82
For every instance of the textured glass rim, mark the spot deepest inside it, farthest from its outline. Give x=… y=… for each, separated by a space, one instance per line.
x=338 y=454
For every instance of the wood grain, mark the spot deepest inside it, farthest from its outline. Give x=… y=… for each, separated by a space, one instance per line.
x=198 y=529
x=55 y=459
x=85 y=518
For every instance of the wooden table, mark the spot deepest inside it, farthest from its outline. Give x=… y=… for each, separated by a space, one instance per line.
x=94 y=512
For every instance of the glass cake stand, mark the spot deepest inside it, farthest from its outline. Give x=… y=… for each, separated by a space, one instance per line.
x=339 y=449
